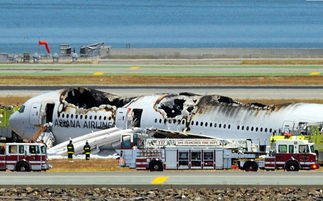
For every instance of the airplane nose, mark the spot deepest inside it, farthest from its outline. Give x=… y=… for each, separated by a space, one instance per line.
x=13 y=121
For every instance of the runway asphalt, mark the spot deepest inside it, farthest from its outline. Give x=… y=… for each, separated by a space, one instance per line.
x=312 y=178
x=240 y=92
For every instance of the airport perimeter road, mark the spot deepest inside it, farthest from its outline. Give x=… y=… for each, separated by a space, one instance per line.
x=167 y=178
x=241 y=92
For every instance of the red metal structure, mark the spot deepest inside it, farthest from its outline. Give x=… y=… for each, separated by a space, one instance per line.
x=46 y=45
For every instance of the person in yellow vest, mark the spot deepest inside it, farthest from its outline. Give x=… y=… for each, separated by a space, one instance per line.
x=70 y=150
x=87 y=150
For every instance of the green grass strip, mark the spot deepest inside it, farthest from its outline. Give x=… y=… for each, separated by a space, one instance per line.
x=94 y=66
x=162 y=74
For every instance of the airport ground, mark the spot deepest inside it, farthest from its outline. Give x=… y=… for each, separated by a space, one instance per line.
x=274 y=73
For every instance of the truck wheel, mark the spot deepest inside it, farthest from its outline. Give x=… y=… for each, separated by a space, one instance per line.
x=292 y=166
x=22 y=166
x=250 y=166
x=155 y=166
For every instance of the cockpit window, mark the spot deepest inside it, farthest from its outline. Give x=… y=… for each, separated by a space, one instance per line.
x=22 y=109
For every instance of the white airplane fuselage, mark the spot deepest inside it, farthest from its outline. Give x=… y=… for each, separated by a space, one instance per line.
x=213 y=116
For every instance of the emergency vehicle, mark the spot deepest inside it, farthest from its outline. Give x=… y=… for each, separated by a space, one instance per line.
x=23 y=157
x=160 y=154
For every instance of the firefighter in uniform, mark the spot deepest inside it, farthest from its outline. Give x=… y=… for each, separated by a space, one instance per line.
x=70 y=150
x=87 y=150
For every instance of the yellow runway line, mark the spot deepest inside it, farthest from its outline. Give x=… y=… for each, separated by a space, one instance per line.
x=159 y=180
x=98 y=73
x=134 y=67
x=315 y=73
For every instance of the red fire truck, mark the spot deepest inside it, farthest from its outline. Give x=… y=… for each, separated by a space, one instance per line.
x=159 y=154
x=23 y=157
x=291 y=155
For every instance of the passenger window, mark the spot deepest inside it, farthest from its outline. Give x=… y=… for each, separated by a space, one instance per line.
x=260 y=129
x=211 y=125
x=155 y=120
x=247 y=128
x=174 y=121
x=95 y=117
x=303 y=149
x=90 y=117
x=76 y=116
x=238 y=127
x=220 y=125
x=192 y=123
x=197 y=123
x=165 y=121
x=43 y=149
x=67 y=115
x=256 y=129
x=21 y=149
x=85 y=117
x=183 y=158
x=270 y=130
x=252 y=128
x=169 y=121
x=32 y=149
x=12 y=149
x=266 y=130
x=63 y=115
x=183 y=121
x=282 y=148
x=201 y=124
x=2 y=149
x=242 y=127
x=100 y=117
x=81 y=116
x=205 y=124
x=109 y=118
x=229 y=126
x=160 y=121
x=104 y=118
x=72 y=116
x=224 y=125
x=214 y=125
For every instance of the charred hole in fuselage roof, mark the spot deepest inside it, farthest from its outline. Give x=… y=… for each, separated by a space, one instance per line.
x=228 y=100
x=173 y=108
x=87 y=98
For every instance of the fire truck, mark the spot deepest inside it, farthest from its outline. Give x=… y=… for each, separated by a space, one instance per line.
x=176 y=154
x=23 y=157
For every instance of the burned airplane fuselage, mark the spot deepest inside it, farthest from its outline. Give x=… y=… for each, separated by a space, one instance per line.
x=78 y=111
x=220 y=116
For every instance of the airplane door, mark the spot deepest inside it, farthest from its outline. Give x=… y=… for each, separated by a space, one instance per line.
x=288 y=127
x=35 y=117
x=121 y=118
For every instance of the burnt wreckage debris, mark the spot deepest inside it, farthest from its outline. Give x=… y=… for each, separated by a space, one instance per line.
x=88 y=98
x=186 y=105
x=85 y=101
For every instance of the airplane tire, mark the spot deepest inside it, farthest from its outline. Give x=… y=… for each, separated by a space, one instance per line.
x=156 y=166
x=22 y=166
x=250 y=166
x=292 y=166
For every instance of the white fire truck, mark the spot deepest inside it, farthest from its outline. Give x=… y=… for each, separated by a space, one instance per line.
x=160 y=154
x=23 y=157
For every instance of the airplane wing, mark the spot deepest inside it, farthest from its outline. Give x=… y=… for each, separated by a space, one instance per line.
x=161 y=133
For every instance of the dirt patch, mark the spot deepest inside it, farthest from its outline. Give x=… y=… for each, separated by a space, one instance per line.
x=147 y=80
x=92 y=164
